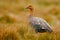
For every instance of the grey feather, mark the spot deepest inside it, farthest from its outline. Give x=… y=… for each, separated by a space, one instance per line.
x=39 y=23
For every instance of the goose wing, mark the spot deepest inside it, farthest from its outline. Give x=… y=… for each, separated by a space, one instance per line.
x=45 y=25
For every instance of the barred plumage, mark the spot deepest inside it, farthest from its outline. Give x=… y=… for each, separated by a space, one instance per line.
x=39 y=24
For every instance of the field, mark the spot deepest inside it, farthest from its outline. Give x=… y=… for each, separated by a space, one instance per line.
x=14 y=20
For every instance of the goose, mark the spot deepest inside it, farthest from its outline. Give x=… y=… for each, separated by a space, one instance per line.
x=39 y=24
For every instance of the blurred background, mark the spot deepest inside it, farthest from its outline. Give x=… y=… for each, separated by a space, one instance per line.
x=14 y=15
x=15 y=9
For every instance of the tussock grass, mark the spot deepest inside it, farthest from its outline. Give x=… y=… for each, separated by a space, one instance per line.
x=13 y=32
x=18 y=28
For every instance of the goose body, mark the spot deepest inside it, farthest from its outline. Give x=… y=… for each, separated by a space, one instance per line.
x=39 y=24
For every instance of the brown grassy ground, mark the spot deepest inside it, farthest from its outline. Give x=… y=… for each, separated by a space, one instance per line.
x=14 y=20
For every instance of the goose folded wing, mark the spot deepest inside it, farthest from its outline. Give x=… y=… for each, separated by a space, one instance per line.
x=45 y=25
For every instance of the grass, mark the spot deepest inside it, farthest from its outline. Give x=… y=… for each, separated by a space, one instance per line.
x=14 y=21
x=18 y=32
